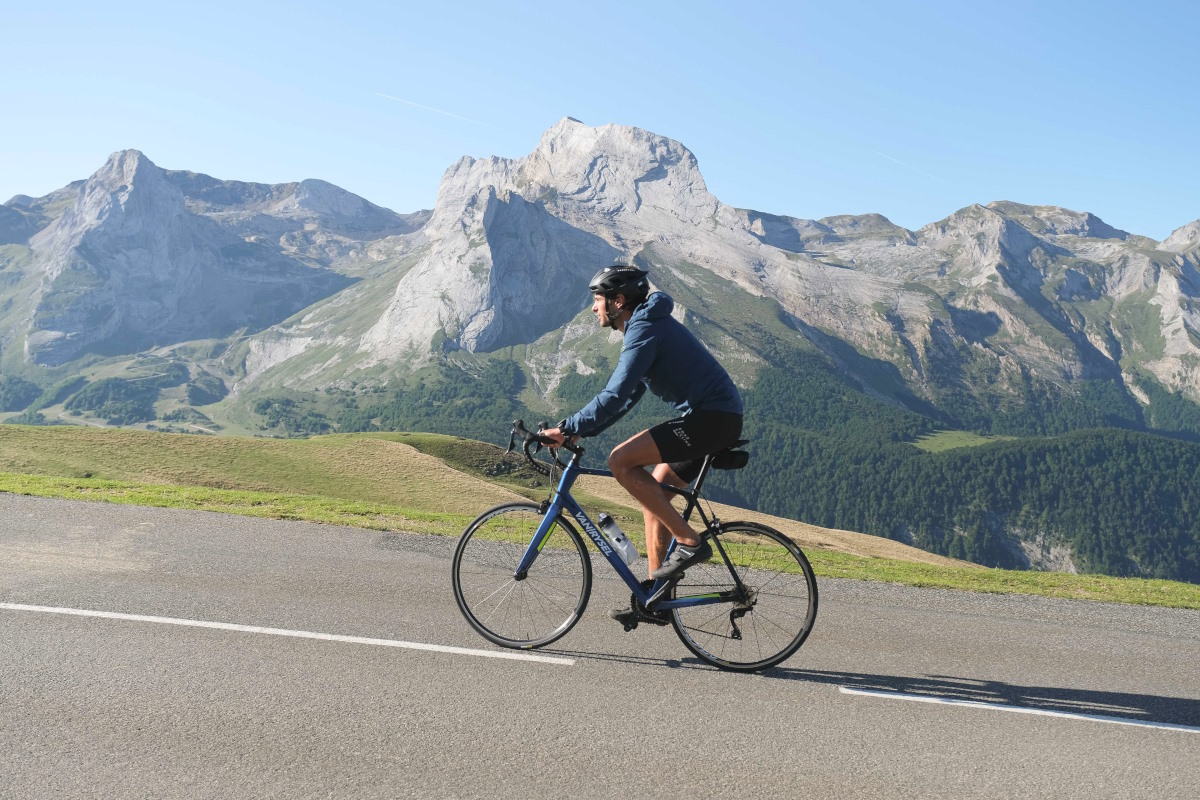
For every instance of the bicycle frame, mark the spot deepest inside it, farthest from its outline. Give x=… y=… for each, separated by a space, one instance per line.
x=563 y=501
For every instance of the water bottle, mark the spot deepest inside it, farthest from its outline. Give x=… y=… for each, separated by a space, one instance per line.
x=617 y=538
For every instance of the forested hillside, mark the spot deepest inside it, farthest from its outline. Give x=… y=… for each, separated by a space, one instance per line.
x=1123 y=502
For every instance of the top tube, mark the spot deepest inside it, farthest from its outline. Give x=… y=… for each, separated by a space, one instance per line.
x=690 y=493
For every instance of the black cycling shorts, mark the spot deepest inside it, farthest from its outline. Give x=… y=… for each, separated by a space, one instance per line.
x=684 y=442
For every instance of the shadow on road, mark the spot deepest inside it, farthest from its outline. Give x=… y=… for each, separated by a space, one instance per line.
x=1141 y=707
x=1127 y=705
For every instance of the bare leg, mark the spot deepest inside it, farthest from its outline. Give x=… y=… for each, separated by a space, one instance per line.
x=658 y=538
x=627 y=463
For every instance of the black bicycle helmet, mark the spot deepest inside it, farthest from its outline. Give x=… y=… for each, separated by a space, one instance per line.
x=621 y=279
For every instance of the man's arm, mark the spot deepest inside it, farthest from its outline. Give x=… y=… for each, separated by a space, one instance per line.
x=622 y=391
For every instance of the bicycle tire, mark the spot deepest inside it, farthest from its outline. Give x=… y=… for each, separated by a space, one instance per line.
x=527 y=613
x=774 y=620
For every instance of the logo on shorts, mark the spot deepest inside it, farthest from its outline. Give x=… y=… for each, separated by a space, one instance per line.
x=682 y=434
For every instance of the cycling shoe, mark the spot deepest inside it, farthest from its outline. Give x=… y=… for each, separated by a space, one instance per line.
x=681 y=558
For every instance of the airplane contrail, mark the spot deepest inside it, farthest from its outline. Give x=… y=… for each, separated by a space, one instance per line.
x=440 y=111
x=909 y=166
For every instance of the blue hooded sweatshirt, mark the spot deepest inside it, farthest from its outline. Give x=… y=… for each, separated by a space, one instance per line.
x=661 y=355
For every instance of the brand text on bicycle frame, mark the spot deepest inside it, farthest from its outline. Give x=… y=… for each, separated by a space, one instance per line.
x=593 y=532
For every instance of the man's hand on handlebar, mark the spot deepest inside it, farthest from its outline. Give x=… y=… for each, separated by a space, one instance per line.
x=556 y=436
x=544 y=437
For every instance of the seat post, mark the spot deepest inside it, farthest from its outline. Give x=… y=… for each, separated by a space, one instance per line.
x=708 y=459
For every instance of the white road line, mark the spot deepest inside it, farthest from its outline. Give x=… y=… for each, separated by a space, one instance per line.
x=920 y=698
x=327 y=637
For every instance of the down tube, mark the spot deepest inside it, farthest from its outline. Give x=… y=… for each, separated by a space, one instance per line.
x=601 y=543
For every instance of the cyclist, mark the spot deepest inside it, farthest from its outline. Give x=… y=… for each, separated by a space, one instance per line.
x=661 y=355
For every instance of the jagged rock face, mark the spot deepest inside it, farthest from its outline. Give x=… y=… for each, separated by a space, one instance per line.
x=1068 y=293
x=1183 y=239
x=1055 y=221
x=106 y=247
x=312 y=218
x=128 y=264
x=509 y=274
x=587 y=174
x=514 y=241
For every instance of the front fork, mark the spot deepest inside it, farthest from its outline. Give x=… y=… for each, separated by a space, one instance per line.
x=549 y=512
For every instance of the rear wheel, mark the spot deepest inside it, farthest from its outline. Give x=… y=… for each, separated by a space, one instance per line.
x=535 y=609
x=776 y=605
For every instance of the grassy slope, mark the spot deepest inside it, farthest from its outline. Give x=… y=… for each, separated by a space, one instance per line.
x=940 y=441
x=435 y=484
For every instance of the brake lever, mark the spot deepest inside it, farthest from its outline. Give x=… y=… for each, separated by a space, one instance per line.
x=529 y=438
x=540 y=444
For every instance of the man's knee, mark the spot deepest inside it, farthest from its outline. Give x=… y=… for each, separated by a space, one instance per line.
x=621 y=459
x=638 y=451
x=624 y=457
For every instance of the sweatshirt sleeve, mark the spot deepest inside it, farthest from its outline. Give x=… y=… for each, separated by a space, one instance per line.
x=623 y=390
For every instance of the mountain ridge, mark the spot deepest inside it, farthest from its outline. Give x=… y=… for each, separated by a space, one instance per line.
x=504 y=230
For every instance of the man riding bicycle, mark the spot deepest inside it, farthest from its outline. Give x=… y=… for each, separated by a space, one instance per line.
x=661 y=355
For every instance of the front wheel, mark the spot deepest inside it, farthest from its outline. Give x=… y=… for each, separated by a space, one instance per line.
x=535 y=609
x=776 y=602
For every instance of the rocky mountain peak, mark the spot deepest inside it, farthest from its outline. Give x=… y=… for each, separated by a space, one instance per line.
x=1182 y=239
x=607 y=171
x=617 y=168
x=504 y=229
x=978 y=224
x=1056 y=221
x=127 y=176
x=978 y=240
x=849 y=226
x=126 y=197
x=320 y=197
x=129 y=263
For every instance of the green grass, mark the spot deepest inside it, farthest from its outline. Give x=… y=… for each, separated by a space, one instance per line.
x=940 y=441
x=270 y=505
x=1140 y=322
x=366 y=481
x=1136 y=591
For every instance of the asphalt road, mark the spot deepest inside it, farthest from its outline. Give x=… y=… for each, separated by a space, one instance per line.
x=102 y=707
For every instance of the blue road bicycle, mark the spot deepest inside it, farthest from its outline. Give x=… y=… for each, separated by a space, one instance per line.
x=522 y=576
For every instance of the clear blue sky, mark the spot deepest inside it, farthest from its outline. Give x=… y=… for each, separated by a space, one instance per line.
x=912 y=110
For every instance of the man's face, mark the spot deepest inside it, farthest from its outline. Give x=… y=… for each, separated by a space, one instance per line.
x=601 y=306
